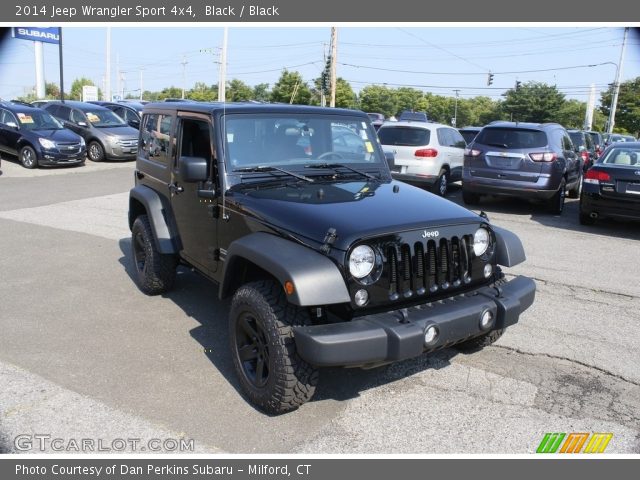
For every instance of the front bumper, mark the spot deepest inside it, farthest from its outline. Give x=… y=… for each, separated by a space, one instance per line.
x=393 y=336
x=55 y=158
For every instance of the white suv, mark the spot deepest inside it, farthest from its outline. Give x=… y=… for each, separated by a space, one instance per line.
x=426 y=154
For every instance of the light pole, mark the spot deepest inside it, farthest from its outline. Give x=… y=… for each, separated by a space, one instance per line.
x=455 y=110
x=616 y=91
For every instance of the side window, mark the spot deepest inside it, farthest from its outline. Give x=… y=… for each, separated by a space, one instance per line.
x=457 y=140
x=3 y=117
x=52 y=109
x=64 y=112
x=567 y=144
x=6 y=117
x=155 y=136
x=120 y=111
x=77 y=116
x=442 y=137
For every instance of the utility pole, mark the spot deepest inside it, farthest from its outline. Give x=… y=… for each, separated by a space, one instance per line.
x=61 y=66
x=616 y=92
x=334 y=58
x=117 y=74
x=107 y=86
x=141 y=70
x=588 y=117
x=455 y=110
x=184 y=74
x=222 y=81
x=323 y=97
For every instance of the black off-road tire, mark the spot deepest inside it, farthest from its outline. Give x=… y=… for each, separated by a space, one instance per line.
x=470 y=198
x=28 y=157
x=95 y=151
x=260 y=330
x=441 y=187
x=556 y=203
x=155 y=271
x=479 y=343
x=577 y=189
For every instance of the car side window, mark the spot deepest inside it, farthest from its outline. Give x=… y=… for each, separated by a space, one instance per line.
x=155 y=136
x=77 y=116
x=567 y=144
x=442 y=137
x=64 y=112
x=121 y=112
x=457 y=140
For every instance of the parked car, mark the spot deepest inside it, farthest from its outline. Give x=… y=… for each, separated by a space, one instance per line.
x=409 y=116
x=38 y=139
x=598 y=141
x=469 y=133
x=129 y=111
x=611 y=188
x=617 y=137
x=526 y=160
x=377 y=119
x=107 y=135
x=328 y=262
x=584 y=147
x=426 y=154
x=39 y=103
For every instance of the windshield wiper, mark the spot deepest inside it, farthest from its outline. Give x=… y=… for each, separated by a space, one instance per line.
x=269 y=169
x=501 y=145
x=335 y=166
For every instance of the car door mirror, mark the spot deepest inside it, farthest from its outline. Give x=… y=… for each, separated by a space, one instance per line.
x=81 y=124
x=135 y=124
x=193 y=169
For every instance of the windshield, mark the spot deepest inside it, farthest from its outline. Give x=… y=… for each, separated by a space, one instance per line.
x=297 y=141
x=576 y=138
x=38 y=120
x=622 y=156
x=104 y=118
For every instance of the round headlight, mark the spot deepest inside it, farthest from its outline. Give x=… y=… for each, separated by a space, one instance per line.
x=480 y=241
x=361 y=261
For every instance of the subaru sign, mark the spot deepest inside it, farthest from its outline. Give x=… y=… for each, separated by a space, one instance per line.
x=38 y=34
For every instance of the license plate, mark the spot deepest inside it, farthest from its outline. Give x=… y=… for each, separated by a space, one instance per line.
x=633 y=188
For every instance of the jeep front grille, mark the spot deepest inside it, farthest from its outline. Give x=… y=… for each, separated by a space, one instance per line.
x=429 y=267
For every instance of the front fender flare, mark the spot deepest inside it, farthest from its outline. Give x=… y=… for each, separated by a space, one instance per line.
x=509 y=249
x=157 y=208
x=316 y=279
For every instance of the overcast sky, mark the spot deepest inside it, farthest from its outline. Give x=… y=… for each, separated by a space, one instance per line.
x=434 y=59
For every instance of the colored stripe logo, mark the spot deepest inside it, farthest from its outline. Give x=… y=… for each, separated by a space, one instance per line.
x=573 y=442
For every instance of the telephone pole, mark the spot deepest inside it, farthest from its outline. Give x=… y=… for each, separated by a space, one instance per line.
x=184 y=74
x=222 y=81
x=616 y=92
x=107 y=83
x=455 y=110
x=334 y=58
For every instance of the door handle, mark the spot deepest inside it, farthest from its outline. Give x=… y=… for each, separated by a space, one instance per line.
x=173 y=188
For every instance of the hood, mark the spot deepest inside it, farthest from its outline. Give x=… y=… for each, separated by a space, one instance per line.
x=59 y=136
x=354 y=209
x=120 y=132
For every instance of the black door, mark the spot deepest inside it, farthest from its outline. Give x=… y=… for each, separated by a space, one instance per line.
x=196 y=215
x=9 y=133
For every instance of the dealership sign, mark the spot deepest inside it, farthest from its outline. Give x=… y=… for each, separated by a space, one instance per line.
x=38 y=34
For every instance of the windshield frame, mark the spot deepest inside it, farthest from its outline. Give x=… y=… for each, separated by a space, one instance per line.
x=377 y=165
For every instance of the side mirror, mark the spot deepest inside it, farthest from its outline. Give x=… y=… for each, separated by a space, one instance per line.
x=193 y=169
x=390 y=158
x=81 y=124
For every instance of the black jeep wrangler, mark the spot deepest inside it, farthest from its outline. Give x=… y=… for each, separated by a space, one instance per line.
x=293 y=212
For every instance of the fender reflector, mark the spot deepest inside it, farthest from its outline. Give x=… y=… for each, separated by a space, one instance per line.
x=288 y=288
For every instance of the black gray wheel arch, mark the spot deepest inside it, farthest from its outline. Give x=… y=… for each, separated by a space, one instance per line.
x=316 y=279
x=509 y=249
x=144 y=200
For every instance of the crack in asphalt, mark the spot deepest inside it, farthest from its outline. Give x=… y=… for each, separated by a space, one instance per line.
x=570 y=360
x=579 y=288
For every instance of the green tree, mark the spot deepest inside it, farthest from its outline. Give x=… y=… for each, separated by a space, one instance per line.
x=170 y=92
x=628 y=109
x=290 y=86
x=202 y=92
x=261 y=92
x=76 y=88
x=238 y=91
x=533 y=102
x=51 y=90
x=409 y=99
x=379 y=99
x=572 y=114
x=345 y=96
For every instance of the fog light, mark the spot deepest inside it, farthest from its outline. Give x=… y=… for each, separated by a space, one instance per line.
x=486 y=320
x=430 y=335
x=488 y=270
x=361 y=298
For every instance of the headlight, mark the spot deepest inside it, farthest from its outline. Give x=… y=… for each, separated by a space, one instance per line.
x=480 y=241
x=48 y=144
x=362 y=261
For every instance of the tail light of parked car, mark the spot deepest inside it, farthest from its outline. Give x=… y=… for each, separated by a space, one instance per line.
x=472 y=152
x=585 y=156
x=543 y=157
x=426 y=153
x=596 y=176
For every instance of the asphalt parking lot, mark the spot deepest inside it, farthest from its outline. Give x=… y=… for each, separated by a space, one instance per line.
x=83 y=353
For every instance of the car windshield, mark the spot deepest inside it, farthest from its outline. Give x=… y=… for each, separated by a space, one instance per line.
x=576 y=138
x=624 y=157
x=404 y=136
x=104 y=118
x=512 y=137
x=38 y=120
x=298 y=141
